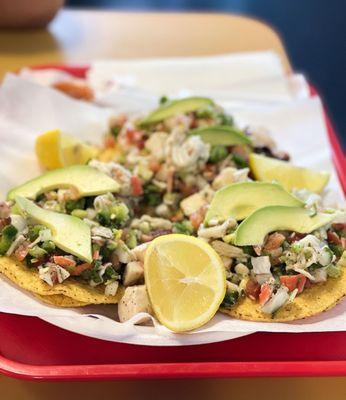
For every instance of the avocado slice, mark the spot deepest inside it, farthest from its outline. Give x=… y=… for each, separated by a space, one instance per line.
x=253 y=230
x=221 y=135
x=86 y=180
x=239 y=200
x=174 y=107
x=69 y=233
x=290 y=176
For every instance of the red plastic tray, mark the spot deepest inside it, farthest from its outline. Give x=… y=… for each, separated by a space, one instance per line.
x=33 y=349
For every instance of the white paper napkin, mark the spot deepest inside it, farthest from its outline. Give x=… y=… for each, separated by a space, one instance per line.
x=40 y=108
x=167 y=75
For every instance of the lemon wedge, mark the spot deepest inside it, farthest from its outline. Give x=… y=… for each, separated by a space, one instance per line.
x=47 y=149
x=290 y=176
x=55 y=149
x=74 y=151
x=185 y=279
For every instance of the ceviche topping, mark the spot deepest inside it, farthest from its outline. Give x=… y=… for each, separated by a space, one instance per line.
x=184 y=169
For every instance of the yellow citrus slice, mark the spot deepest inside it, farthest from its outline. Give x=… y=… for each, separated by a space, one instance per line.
x=47 y=149
x=55 y=149
x=185 y=279
x=74 y=151
x=290 y=176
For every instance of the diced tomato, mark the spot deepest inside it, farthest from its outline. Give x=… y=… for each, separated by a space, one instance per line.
x=64 y=261
x=294 y=282
x=170 y=180
x=257 y=249
x=109 y=141
x=178 y=216
x=135 y=138
x=4 y=222
x=197 y=217
x=333 y=237
x=137 y=189
x=308 y=284
x=340 y=227
x=343 y=243
x=209 y=171
x=21 y=252
x=241 y=150
x=295 y=236
x=274 y=241
x=5 y=210
x=154 y=165
x=265 y=293
x=301 y=282
x=186 y=190
x=252 y=289
x=96 y=255
x=80 y=268
x=193 y=122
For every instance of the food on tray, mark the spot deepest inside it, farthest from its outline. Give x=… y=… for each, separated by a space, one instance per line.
x=171 y=217
x=290 y=176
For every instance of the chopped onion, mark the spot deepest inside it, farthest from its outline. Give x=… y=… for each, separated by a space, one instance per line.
x=325 y=256
x=277 y=300
x=53 y=274
x=261 y=265
x=112 y=288
x=320 y=275
x=217 y=231
x=45 y=234
x=102 y=232
x=293 y=295
x=263 y=278
x=304 y=272
x=18 y=222
x=124 y=254
x=16 y=243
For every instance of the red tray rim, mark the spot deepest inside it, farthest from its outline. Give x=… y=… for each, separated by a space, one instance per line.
x=182 y=370
x=171 y=370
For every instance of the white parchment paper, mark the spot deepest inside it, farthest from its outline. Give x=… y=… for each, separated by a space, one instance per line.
x=295 y=121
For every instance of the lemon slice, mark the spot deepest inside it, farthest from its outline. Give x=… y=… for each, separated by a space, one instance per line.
x=74 y=151
x=185 y=279
x=290 y=176
x=55 y=150
x=47 y=149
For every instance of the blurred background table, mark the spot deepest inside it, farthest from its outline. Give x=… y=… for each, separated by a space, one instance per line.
x=81 y=36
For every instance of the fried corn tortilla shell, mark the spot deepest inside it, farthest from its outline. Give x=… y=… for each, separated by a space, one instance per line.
x=59 y=300
x=73 y=292
x=314 y=300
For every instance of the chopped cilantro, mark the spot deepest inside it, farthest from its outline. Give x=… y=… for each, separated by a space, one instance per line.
x=240 y=161
x=217 y=154
x=8 y=235
x=230 y=299
x=185 y=227
x=71 y=205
